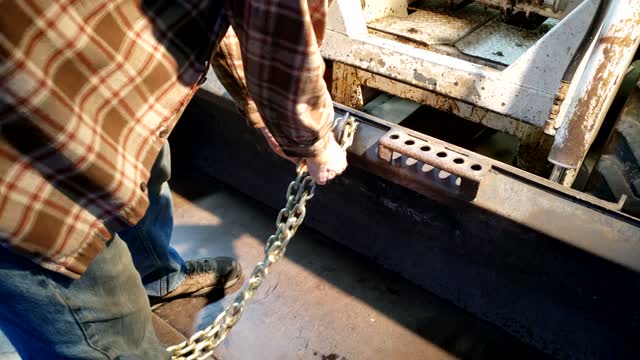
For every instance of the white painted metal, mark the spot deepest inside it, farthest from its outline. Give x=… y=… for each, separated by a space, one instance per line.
x=346 y=17
x=595 y=84
x=544 y=64
x=376 y=9
x=525 y=90
x=431 y=72
x=447 y=104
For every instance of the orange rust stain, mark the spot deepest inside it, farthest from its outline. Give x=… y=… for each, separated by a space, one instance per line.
x=591 y=103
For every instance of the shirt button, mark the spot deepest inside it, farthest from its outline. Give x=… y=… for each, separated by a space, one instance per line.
x=163 y=133
x=143 y=186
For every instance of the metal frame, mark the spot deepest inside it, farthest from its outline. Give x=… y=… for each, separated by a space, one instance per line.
x=459 y=108
x=543 y=87
x=526 y=254
x=565 y=214
x=524 y=90
x=568 y=215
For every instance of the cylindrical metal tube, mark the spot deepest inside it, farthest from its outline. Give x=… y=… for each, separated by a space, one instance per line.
x=597 y=84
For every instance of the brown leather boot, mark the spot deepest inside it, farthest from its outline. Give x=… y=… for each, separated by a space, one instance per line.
x=203 y=276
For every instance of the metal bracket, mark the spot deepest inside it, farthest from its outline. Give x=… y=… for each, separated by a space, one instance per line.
x=466 y=172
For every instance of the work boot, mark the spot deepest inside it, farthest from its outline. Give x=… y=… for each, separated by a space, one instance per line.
x=203 y=276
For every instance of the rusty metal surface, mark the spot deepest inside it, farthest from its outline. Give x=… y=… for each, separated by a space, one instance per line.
x=561 y=95
x=567 y=215
x=501 y=42
x=570 y=216
x=461 y=171
x=541 y=288
x=436 y=27
x=594 y=87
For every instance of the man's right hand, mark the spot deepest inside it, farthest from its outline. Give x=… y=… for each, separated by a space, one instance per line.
x=328 y=164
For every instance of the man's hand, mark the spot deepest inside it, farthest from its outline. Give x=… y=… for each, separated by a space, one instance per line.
x=328 y=164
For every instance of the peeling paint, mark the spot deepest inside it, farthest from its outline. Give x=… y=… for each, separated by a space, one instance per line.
x=601 y=79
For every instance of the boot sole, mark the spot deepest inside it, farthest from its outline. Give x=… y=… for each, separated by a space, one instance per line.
x=199 y=293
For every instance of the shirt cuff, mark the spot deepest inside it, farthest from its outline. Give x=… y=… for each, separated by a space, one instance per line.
x=312 y=148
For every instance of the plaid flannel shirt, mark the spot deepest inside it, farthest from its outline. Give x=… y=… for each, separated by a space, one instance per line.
x=90 y=90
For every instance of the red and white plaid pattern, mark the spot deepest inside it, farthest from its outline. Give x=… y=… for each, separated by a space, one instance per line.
x=91 y=88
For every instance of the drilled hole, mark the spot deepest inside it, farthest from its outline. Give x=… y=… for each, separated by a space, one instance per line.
x=442 y=154
x=409 y=142
x=395 y=136
x=476 y=167
x=425 y=148
x=458 y=160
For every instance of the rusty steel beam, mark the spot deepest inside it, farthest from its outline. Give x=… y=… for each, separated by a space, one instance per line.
x=434 y=162
x=531 y=256
x=594 y=86
x=570 y=216
x=578 y=219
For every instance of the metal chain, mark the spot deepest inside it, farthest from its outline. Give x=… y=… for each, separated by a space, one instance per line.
x=302 y=189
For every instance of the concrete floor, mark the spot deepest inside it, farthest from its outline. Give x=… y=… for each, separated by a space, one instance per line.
x=321 y=301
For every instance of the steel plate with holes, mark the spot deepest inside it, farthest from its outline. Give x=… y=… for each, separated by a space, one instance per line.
x=501 y=42
x=464 y=171
x=436 y=28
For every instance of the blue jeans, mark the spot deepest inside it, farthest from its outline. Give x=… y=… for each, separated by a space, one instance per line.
x=160 y=266
x=104 y=314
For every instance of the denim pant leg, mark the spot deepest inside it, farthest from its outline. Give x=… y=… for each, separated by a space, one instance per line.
x=103 y=315
x=160 y=266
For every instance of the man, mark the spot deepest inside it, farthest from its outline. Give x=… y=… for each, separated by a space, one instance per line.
x=90 y=91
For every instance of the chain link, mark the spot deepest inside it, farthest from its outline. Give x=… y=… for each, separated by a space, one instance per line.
x=202 y=344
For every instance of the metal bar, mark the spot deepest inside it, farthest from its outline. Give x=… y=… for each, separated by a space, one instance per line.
x=578 y=219
x=568 y=215
x=463 y=172
x=459 y=108
x=543 y=290
x=595 y=86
